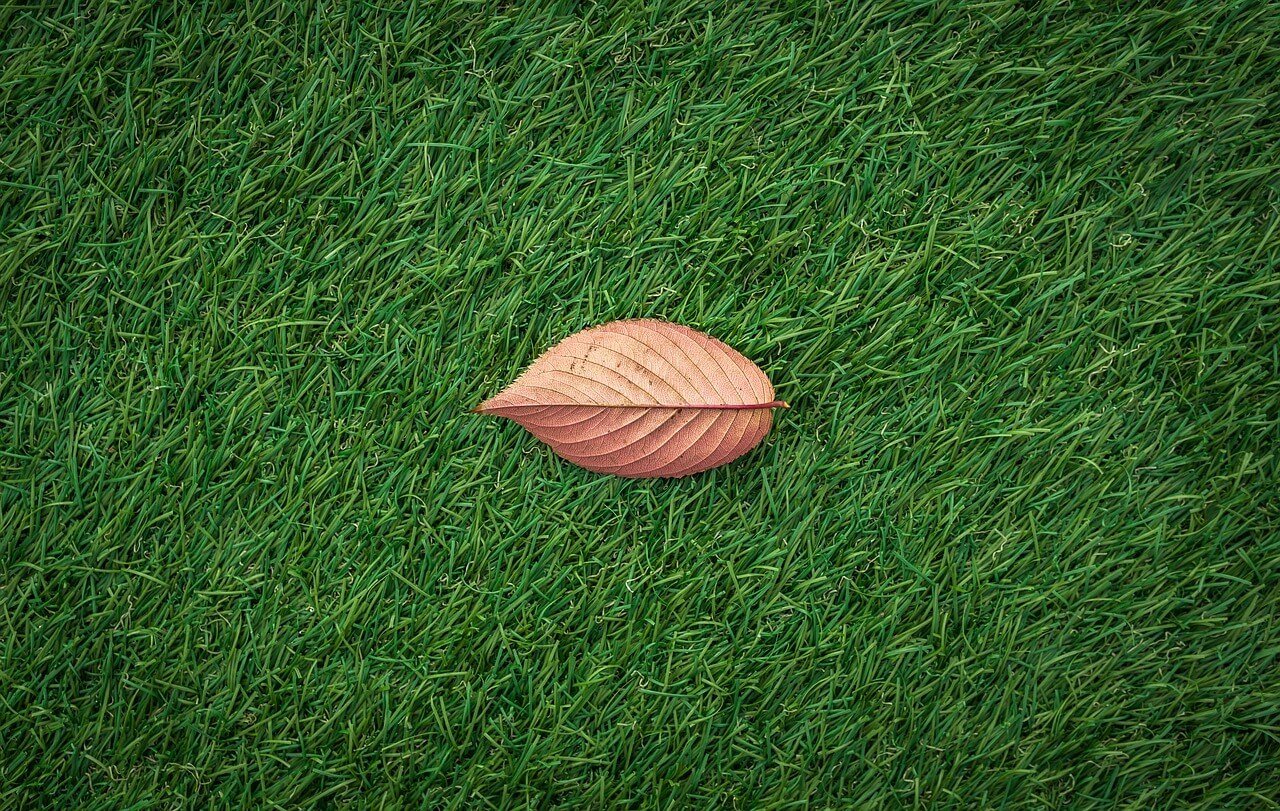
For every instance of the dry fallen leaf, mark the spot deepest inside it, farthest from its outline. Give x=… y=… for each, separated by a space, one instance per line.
x=641 y=398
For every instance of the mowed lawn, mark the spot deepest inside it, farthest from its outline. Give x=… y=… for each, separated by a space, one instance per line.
x=1016 y=544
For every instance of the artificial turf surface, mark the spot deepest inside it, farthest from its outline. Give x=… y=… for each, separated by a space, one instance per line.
x=1014 y=265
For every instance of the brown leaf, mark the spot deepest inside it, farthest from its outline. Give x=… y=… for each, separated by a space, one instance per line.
x=641 y=398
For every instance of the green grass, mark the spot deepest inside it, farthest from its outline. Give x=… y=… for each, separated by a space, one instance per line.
x=1014 y=265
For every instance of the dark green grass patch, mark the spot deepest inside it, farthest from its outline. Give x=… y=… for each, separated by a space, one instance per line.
x=1014 y=266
